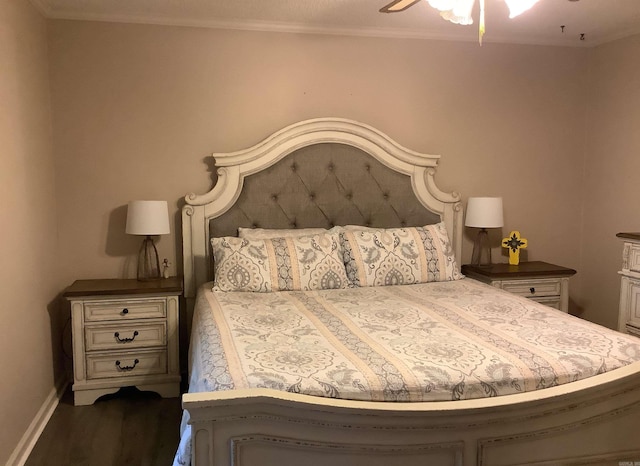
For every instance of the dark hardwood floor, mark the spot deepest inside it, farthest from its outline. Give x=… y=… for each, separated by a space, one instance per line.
x=127 y=428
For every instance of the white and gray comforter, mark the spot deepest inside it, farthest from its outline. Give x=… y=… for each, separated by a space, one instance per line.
x=428 y=342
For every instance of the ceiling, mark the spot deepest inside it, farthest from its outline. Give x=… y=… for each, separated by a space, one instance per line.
x=599 y=20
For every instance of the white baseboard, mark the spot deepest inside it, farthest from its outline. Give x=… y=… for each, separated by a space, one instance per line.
x=28 y=441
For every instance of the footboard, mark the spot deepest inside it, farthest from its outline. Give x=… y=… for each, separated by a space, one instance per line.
x=591 y=421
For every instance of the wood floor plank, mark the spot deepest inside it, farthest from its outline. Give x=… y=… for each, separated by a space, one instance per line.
x=166 y=441
x=104 y=435
x=128 y=428
x=139 y=428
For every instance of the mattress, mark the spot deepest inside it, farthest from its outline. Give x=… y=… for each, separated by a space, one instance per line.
x=427 y=342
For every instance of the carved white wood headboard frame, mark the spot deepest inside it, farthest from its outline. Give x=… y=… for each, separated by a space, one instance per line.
x=235 y=166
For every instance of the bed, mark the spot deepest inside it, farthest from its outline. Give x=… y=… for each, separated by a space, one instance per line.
x=571 y=396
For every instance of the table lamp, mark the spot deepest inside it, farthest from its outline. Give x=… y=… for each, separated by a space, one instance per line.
x=148 y=218
x=483 y=213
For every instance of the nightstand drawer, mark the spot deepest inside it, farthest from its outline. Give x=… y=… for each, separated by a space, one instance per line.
x=126 y=364
x=96 y=311
x=533 y=288
x=124 y=336
x=551 y=301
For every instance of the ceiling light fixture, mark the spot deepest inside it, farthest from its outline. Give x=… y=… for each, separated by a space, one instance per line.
x=459 y=11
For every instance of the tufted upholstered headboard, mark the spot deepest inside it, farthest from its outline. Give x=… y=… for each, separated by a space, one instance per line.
x=324 y=185
x=316 y=173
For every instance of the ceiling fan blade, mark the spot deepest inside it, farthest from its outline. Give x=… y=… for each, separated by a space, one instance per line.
x=398 y=5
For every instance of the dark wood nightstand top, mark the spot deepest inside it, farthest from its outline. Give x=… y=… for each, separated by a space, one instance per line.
x=524 y=269
x=629 y=235
x=123 y=287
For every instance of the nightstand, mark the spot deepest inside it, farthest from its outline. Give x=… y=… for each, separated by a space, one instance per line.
x=540 y=281
x=125 y=333
x=629 y=307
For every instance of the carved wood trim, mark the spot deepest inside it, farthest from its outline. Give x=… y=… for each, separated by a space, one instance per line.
x=237 y=443
x=625 y=256
x=485 y=444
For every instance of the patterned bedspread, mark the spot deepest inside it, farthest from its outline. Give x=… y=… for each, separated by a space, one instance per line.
x=426 y=342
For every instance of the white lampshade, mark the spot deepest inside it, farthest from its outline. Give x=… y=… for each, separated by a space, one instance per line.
x=484 y=212
x=147 y=218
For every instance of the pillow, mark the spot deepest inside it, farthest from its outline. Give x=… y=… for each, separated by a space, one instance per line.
x=399 y=256
x=359 y=228
x=278 y=264
x=268 y=233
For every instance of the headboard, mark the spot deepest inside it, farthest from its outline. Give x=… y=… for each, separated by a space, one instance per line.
x=316 y=173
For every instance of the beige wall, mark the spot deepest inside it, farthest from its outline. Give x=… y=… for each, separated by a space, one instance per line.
x=138 y=107
x=28 y=223
x=612 y=172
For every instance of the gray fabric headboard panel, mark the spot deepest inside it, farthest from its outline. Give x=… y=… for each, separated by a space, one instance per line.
x=323 y=185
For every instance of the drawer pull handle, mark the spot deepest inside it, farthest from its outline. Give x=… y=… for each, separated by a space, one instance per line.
x=533 y=290
x=125 y=340
x=127 y=368
x=125 y=311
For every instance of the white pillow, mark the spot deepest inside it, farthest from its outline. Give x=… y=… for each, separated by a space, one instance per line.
x=268 y=233
x=359 y=228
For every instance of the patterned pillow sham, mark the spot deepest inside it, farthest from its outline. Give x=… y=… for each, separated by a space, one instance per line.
x=399 y=256
x=278 y=264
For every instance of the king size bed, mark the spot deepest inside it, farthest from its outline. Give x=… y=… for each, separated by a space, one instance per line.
x=331 y=324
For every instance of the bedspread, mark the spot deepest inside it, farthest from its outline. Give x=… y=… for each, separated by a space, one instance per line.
x=427 y=342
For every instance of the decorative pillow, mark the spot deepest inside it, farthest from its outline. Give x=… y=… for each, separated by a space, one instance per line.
x=399 y=256
x=278 y=264
x=268 y=233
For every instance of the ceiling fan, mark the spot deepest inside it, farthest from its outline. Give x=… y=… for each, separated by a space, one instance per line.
x=459 y=11
x=398 y=5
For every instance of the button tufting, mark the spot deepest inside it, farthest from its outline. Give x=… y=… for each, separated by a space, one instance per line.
x=293 y=225
x=294 y=167
x=403 y=223
x=274 y=198
x=385 y=196
x=331 y=225
x=330 y=167
x=312 y=196
x=367 y=167
x=254 y=225
x=349 y=196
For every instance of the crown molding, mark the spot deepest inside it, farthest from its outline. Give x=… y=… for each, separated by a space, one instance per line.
x=298 y=28
x=45 y=8
x=617 y=36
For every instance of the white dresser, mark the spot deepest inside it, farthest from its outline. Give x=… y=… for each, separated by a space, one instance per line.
x=125 y=333
x=629 y=310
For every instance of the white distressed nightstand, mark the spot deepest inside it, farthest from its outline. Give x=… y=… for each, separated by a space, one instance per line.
x=629 y=307
x=125 y=333
x=540 y=281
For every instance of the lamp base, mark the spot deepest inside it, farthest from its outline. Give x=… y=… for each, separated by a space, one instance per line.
x=481 y=255
x=148 y=263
